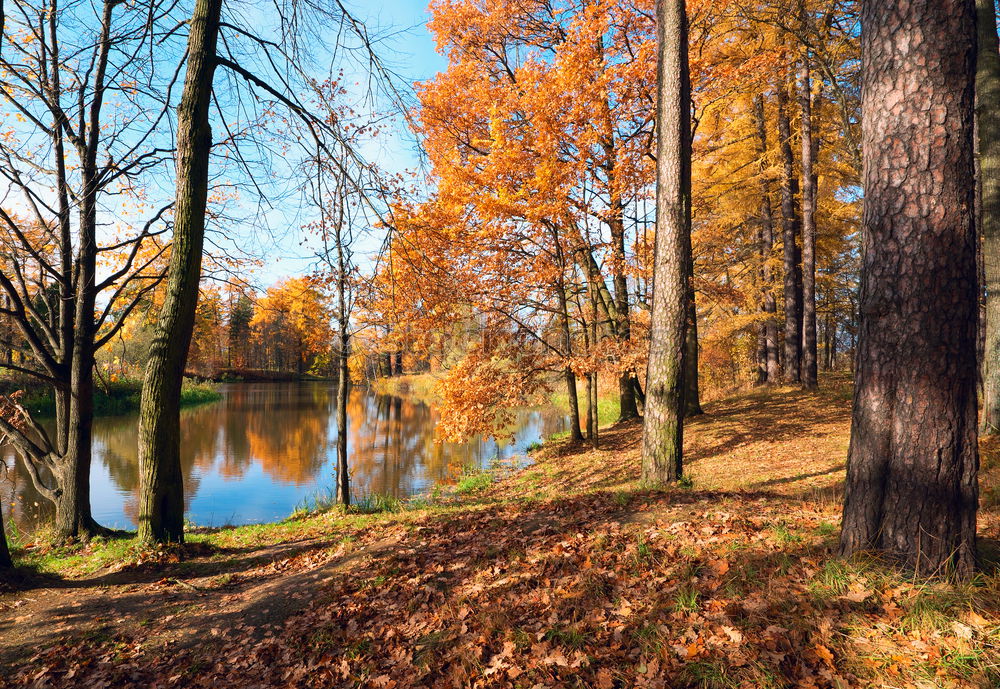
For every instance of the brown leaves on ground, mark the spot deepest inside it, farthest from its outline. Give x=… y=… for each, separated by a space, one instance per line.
x=607 y=585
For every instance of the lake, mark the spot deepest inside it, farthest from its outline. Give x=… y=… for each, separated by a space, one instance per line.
x=267 y=448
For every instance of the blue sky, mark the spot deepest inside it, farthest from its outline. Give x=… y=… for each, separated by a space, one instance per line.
x=407 y=47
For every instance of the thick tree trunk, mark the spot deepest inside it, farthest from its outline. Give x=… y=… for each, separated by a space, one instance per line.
x=809 y=374
x=988 y=145
x=161 y=499
x=769 y=365
x=790 y=249
x=73 y=513
x=575 y=434
x=663 y=428
x=912 y=489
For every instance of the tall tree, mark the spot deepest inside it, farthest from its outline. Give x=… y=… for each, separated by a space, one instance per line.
x=790 y=232
x=663 y=427
x=70 y=156
x=161 y=500
x=768 y=360
x=912 y=489
x=988 y=154
x=809 y=361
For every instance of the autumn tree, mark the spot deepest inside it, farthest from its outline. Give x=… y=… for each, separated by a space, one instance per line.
x=663 y=428
x=912 y=488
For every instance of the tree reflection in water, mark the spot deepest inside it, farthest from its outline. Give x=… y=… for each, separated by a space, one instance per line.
x=265 y=448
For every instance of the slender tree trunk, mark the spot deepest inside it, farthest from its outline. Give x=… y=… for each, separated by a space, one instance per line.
x=988 y=140
x=790 y=232
x=769 y=364
x=575 y=434
x=343 y=375
x=833 y=344
x=627 y=405
x=663 y=427
x=912 y=488
x=692 y=393
x=161 y=498
x=809 y=372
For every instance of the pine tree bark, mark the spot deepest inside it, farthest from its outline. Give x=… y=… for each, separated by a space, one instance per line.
x=912 y=488
x=988 y=147
x=663 y=428
x=769 y=365
x=809 y=373
x=161 y=498
x=790 y=249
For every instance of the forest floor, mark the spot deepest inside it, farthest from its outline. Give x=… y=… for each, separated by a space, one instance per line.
x=569 y=573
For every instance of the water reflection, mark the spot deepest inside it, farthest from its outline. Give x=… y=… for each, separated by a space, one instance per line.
x=267 y=447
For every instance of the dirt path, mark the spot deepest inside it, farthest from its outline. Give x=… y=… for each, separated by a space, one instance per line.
x=184 y=604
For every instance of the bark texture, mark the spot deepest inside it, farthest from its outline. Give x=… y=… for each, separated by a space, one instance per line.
x=790 y=227
x=663 y=430
x=161 y=498
x=768 y=364
x=809 y=373
x=912 y=468
x=988 y=147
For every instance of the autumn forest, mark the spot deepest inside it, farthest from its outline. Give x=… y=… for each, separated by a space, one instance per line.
x=500 y=343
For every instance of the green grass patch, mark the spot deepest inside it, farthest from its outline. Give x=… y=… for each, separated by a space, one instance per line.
x=474 y=483
x=120 y=397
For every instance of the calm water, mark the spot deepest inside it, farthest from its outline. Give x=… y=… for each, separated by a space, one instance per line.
x=266 y=448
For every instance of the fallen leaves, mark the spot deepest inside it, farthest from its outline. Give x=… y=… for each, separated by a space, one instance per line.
x=664 y=589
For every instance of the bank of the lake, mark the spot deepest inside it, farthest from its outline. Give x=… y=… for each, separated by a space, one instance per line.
x=111 y=398
x=570 y=570
x=266 y=449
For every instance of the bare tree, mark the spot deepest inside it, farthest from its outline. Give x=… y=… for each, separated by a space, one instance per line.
x=92 y=103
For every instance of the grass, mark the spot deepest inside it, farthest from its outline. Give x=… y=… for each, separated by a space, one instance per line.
x=607 y=403
x=120 y=397
x=474 y=483
x=373 y=503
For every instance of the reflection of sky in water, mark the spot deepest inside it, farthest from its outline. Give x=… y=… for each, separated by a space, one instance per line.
x=266 y=448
